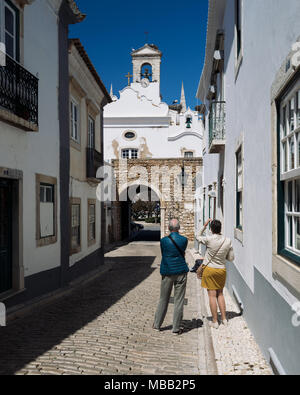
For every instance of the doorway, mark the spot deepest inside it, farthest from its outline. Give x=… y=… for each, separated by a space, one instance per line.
x=5 y=235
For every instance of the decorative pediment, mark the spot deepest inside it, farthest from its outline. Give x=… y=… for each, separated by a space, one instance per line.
x=287 y=70
x=147 y=50
x=183 y=135
x=132 y=104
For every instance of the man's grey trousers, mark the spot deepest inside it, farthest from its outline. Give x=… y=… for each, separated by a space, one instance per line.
x=179 y=282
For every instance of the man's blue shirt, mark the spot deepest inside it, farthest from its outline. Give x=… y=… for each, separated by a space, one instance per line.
x=172 y=261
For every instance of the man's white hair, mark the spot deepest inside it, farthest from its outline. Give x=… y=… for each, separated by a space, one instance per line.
x=174 y=225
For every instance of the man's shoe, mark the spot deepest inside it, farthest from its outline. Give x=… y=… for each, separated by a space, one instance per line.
x=180 y=332
x=156 y=329
x=225 y=322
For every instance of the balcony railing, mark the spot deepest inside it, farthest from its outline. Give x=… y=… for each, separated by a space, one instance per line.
x=94 y=160
x=217 y=127
x=19 y=92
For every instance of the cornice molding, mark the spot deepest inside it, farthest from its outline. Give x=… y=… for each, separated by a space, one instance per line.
x=185 y=134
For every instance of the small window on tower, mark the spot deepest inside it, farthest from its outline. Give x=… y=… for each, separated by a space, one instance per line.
x=189 y=154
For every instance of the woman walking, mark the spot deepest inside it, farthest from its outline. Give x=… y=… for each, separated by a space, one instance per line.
x=218 y=251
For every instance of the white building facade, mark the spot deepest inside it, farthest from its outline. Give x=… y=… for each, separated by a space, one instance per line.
x=88 y=96
x=32 y=100
x=139 y=125
x=250 y=86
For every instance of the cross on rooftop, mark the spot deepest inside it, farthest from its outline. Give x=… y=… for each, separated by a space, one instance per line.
x=128 y=76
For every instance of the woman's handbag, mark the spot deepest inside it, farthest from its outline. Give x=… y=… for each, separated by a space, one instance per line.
x=201 y=269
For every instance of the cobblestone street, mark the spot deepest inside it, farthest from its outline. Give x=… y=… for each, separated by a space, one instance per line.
x=105 y=326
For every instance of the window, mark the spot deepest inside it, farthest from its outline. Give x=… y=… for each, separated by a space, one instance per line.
x=239 y=189
x=211 y=203
x=189 y=154
x=91 y=222
x=238 y=27
x=130 y=154
x=46 y=206
x=130 y=135
x=91 y=133
x=46 y=210
x=289 y=184
x=204 y=205
x=75 y=226
x=75 y=134
x=9 y=28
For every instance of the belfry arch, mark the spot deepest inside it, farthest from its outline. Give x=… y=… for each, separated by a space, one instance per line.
x=146 y=71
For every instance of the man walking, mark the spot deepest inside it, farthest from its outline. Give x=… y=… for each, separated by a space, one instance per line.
x=174 y=273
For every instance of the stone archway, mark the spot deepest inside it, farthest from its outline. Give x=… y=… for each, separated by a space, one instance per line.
x=128 y=195
x=172 y=180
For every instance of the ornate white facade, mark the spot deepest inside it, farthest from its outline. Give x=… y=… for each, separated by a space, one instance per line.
x=156 y=130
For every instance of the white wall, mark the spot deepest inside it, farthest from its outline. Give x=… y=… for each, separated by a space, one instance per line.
x=156 y=140
x=155 y=125
x=269 y=30
x=37 y=152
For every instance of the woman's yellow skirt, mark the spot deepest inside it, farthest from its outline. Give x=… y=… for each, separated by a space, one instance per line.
x=213 y=279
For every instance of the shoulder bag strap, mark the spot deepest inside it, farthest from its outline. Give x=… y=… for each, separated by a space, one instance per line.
x=175 y=244
x=211 y=259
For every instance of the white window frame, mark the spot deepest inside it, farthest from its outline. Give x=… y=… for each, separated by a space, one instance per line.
x=288 y=135
x=130 y=153
x=75 y=123
x=188 y=156
x=4 y=4
x=43 y=207
x=290 y=163
x=47 y=206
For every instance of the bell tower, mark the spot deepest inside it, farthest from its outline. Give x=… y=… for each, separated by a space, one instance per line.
x=146 y=64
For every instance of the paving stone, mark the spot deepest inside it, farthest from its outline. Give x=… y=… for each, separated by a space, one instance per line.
x=105 y=327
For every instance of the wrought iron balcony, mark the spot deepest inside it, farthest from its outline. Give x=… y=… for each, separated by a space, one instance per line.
x=94 y=160
x=19 y=94
x=217 y=127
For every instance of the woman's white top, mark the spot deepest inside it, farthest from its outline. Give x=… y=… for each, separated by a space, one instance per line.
x=213 y=242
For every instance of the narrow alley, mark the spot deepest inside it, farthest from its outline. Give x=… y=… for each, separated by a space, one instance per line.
x=105 y=326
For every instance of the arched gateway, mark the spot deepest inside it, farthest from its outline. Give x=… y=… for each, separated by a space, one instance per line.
x=172 y=182
x=152 y=145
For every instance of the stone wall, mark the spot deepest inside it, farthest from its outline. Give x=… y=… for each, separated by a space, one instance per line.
x=164 y=177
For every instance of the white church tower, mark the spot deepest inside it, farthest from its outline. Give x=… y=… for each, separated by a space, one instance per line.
x=138 y=125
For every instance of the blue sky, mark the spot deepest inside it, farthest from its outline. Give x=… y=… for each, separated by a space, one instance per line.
x=178 y=27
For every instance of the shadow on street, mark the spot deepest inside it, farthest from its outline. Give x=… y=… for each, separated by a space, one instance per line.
x=24 y=340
